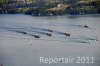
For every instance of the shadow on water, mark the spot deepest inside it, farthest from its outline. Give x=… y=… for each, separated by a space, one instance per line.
x=58 y=40
x=41 y=31
x=88 y=38
x=81 y=26
x=33 y=29
x=31 y=32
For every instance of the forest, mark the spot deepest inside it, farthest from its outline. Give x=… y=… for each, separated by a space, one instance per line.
x=50 y=7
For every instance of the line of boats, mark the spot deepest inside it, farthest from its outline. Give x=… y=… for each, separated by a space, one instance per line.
x=36 y=32
x=48 y=33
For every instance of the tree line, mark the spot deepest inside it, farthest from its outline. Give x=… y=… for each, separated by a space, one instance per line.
x=42 y=7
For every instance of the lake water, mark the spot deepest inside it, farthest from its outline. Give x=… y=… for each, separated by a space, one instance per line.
x=16 y=48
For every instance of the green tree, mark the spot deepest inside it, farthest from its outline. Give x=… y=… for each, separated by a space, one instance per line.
x=2 y=1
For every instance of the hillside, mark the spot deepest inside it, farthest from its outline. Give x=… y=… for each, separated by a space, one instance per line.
x=50 y=7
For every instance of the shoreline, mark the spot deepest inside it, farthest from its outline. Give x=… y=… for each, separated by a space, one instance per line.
x=53 y=15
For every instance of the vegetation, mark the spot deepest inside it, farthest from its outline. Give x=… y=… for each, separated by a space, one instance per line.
x=50 y=7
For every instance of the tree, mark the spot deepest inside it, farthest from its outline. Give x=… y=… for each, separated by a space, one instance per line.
x=2 y=1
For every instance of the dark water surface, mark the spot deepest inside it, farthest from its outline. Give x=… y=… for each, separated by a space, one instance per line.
x=17 y=33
